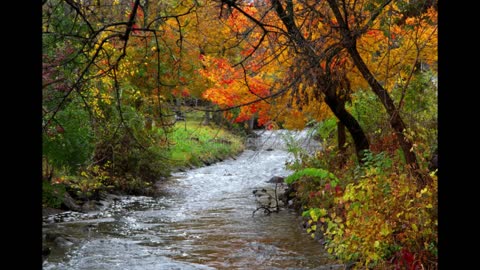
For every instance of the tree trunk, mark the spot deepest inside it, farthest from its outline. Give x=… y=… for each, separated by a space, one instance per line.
x=396 y=120
x=206 y=119
x=353 y=127
x=251 y=123
x=217 y=118
x=341 y=137
x=336 y=104
x=350 y=43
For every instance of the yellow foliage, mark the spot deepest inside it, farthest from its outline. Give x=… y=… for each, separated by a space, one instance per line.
x=385 y=214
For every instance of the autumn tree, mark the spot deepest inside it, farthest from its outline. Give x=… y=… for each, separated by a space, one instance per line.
x=323 y=41
x=365 y=17
x=112 y=70
x=306 y=76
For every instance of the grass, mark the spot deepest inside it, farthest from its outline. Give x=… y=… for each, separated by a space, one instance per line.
x=194 y=144
x=191 y=144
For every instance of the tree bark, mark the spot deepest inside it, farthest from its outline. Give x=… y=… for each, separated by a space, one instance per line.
x=217 y=117
x=251 y=123
x=206 y=119
x=359 y=138
x=396 y=121
x=341 y=137
x=335 y=102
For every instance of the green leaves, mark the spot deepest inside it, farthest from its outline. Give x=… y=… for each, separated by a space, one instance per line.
x=327 y=128
x=316 y=174
x=52 y=194
x=74 y=146
x=314 y=214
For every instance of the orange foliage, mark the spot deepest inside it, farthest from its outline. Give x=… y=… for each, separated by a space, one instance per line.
x=230 y=88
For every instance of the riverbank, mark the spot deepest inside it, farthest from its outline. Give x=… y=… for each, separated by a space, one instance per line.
x=191 y=144
x=202 y=214
x=195 y=144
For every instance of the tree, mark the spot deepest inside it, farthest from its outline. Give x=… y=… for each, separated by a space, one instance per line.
x=119 y=62
x=350 y=33
x=270 y=36
x=322 y=39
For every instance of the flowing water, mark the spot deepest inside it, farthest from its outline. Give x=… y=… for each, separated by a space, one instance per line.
x=203 y=220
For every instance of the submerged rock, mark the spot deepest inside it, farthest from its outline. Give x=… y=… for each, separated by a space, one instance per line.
x=59 y=240
x=64 y=242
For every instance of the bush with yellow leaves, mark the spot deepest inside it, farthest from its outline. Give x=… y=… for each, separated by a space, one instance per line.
x=381 y=220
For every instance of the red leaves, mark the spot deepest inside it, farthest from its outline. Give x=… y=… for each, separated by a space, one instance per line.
x=226 y=80
x=59 y=129
x=233 y=87
x=185 y=93
x=221 y=63
x=134 y=28
x=387 y=142
x=328 y=187
x=404 y=259
x=338 y=191
x=139 y=14
x=181 y=93
x=247 y=52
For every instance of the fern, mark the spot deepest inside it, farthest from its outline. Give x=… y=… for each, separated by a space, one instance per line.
x=315 y=173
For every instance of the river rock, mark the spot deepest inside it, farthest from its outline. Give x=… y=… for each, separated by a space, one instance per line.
x=288 y=197
x=64 y=242
x=276 y=180
x=333 y=267
x=69 y=203
x=93 y=205
x=45 y=252
x=60 y=239
x=111 y=197
x=50 y=236
x=47 y=211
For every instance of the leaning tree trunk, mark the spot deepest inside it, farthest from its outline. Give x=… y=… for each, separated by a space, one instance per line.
x=396 y=122
x=341 y=137
x=359 y=138
x=336 y=104
x=341 y=140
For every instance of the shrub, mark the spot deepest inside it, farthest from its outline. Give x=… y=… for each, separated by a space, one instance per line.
x=52 y=194
x=380 y=219
x=69 y=142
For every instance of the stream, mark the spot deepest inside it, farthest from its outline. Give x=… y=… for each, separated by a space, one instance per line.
x=202 y=220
